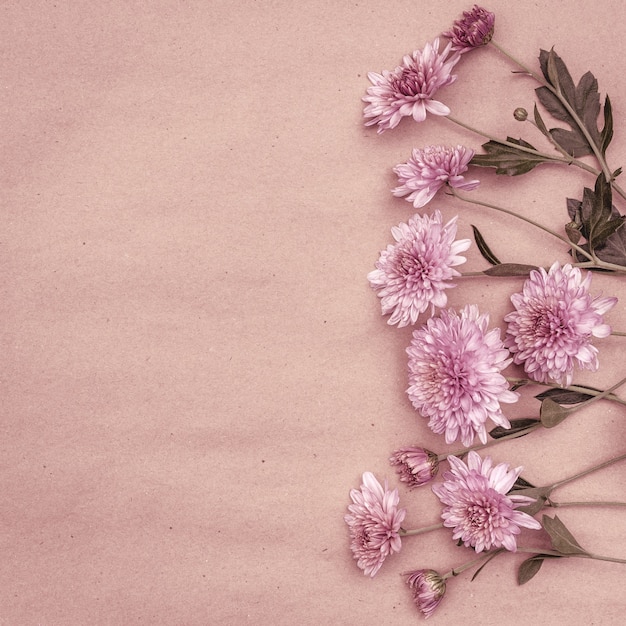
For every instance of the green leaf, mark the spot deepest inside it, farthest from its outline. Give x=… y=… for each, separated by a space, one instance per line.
x=565 y=396
x=517 y=426
x=529 y=568
x=507 y=159
x=552 y=414
x=601 y=223
x=562 y=539
x=483 y=248
x=540 y=494
x=540 y=123
x=582 y=101
x=510 y=269
x=607 y=131
x=480 y=569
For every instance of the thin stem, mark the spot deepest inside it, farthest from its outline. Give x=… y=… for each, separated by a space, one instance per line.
x=556 y=505
x=617 y=333
x=600 y=396
x=590 y=470
x=585 y=555
x=492 y=442
x=557 y=92
x=586 y=390
x=548 y=157
x=461 y=568
x=420 y=531
x=464 y=198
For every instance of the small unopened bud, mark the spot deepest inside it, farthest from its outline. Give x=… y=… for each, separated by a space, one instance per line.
x=520 y=114
x=416 y=466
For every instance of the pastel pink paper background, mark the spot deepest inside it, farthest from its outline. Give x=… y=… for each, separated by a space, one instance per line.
x=195 y=370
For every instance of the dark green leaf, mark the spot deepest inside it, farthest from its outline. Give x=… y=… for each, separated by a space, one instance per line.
x=521 y=483
x=480 y=569
x=552 y=413
x=517 y=426
x=531 y=566
x=510 y=269
x=607 y=131
x=572 y=141
x=562 y=540
x=540 y=494
x=507 y=159
x=540 y=123
x=483 y=248
x=564 y=396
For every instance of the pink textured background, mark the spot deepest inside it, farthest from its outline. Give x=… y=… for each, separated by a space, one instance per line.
x=194 y=369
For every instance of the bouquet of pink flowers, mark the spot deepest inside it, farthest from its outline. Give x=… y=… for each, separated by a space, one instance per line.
x=456 y=363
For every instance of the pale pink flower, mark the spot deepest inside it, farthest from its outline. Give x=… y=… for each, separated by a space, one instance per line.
x=409 y=90
x=554 y=321
x=429 y=169
x=454 y=374
x=428 y=588
x=478 y=508
x=415 y=466
x=413 y=274
x=374 y=520
x=474 y=30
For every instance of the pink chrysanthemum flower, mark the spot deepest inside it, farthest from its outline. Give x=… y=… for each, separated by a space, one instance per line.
x=415 y=466
x=374 y=520
x=454 y=374
x=428 y=588
x=428 y=170
x=474 y=30
x=554 y=320
x=409 y=90
x=478 y=508
x=414 y=273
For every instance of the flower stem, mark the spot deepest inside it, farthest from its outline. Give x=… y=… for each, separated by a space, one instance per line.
x=600 y=396
x=556 y=505
x=586 y=390
x=492 y=442
x=461 y=568
x=585 y=555
x=420 y=531
x=464 y=198
x=595 y=468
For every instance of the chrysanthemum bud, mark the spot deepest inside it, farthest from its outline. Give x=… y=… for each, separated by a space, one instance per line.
x=520 y=114
x=415 y=466
x=428 y=588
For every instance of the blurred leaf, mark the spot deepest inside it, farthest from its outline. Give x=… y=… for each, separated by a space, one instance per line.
x=562 y=540
x=483 y=248
x=517 y=426
x=531 y=566
x=508 y=159
x=564 y=396
x=510 y=269
x=552 y=413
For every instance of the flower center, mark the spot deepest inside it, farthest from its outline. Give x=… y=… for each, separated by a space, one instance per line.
x=410 y=83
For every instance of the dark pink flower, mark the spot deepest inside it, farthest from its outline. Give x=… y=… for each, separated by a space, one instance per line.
x=428 y=588
x=409 y=90
x=454 y=374
x=554 y=321
x=415 y=466
x=478 y=508
x=413 y=274
x=429 y=169
x=474 y=30
x=374 y=521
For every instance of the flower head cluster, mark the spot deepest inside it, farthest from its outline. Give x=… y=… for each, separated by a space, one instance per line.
x=413 y=274
x=428 y=588
x=409 y=90
x=429 y=169
x=415 y=466
x=477 y=506
x=374 y=520
x=554 y=320
x=454 y=374
x=474 y=30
